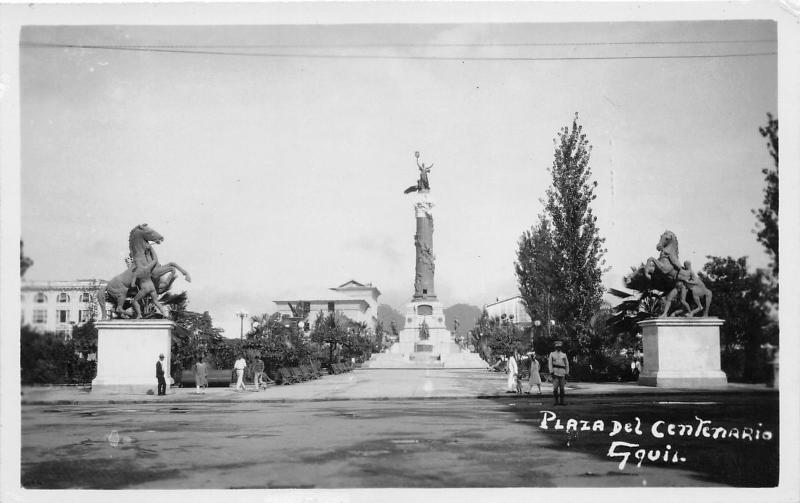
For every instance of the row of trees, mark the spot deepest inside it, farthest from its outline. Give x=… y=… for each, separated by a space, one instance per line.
x=48 y=358
x=276 y=339
x=560 y=262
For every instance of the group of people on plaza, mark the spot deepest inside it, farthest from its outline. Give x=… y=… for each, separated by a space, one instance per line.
x=260 y=378
x=558 y=367
x=200 y=370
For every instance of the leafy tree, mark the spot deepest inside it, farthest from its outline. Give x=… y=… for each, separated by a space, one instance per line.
x=767 y=216
x=358 y=342
x=569 y=270
x=194 y=334
x=84 y=338
x=535 y=269
x=740 y=298
x=496 y=336
x=649 y=303
x=46 y=358
x=330 y=329
x=381 y=342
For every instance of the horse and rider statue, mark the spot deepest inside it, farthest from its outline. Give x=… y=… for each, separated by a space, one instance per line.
x=145 y=279
x=674 y=278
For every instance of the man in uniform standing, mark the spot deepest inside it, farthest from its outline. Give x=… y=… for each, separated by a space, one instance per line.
x=559 y=369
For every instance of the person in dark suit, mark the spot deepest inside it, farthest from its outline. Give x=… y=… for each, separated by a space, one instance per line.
x=162 y=383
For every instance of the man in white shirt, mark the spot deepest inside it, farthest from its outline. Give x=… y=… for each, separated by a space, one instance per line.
x=559 y=369
x=240 y=366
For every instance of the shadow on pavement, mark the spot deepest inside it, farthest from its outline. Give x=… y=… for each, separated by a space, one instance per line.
x=90 y=474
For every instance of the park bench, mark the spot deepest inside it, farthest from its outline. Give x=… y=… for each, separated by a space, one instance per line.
x=309 y=371
x=216 y=377
x=302 y=376
x=286 y=376
x=317 y=370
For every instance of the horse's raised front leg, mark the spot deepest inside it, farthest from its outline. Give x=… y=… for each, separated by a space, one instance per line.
x=181 y=269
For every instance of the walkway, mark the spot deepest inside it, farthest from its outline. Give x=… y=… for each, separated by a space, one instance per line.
x=360 y=384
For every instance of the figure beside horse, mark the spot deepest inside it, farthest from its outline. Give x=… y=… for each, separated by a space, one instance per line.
x=676 y=278
x=145 y=278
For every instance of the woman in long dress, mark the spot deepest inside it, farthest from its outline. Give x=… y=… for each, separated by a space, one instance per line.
x=535 y=378
x=513 y=370
x=200 y=375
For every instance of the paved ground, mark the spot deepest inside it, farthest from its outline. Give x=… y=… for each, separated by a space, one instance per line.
x=372 y=384
x=387 y=428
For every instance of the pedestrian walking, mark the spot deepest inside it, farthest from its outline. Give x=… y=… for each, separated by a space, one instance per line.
x=200 y=375
x=239 y=366
x=535 y=379
x=162 y=383
x=258 y=373
x=559 y=370
x=513 y=371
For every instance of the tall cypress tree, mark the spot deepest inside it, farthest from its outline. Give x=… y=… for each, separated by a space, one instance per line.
x=576 y=260
x=768 y=215
x=534 y=267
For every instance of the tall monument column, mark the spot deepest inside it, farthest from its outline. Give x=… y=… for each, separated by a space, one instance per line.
x=423 y=242
x=425 y=341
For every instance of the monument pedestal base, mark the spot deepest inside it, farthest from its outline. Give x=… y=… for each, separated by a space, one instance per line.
x=681 y=353
x=437 y=351
x=127 y=352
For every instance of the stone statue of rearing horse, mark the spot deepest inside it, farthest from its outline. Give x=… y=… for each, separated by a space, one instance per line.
x=151 y=278
x=679 y=276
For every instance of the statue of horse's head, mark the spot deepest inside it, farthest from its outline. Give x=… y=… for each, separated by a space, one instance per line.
x=142 y=235
x=667 y=243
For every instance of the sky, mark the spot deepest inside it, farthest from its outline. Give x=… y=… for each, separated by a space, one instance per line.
x=273 y=159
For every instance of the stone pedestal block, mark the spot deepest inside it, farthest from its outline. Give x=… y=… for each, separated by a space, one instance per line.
x=127 y=352
x=439 y=338
x=681 y=353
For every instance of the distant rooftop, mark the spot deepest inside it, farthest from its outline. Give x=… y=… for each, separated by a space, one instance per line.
x=61 y=284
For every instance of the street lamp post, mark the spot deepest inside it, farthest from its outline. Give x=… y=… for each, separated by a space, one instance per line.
x=242 y=314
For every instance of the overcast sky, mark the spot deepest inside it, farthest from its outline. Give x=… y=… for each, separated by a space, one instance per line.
x=270 y=172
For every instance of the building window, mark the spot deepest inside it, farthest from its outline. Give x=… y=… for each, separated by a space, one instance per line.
x=83 y=316
x=62 y=297
x=40 y=315
x=66 y=333
x=85 y=297
x=330 y=307
x=40 y=298
x=62 y=316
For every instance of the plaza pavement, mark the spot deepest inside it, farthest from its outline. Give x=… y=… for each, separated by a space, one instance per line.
x=360 y=384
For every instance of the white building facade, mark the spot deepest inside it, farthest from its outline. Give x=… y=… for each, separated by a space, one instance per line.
x=513 y=306
x=56 y=306
x=357 y=301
